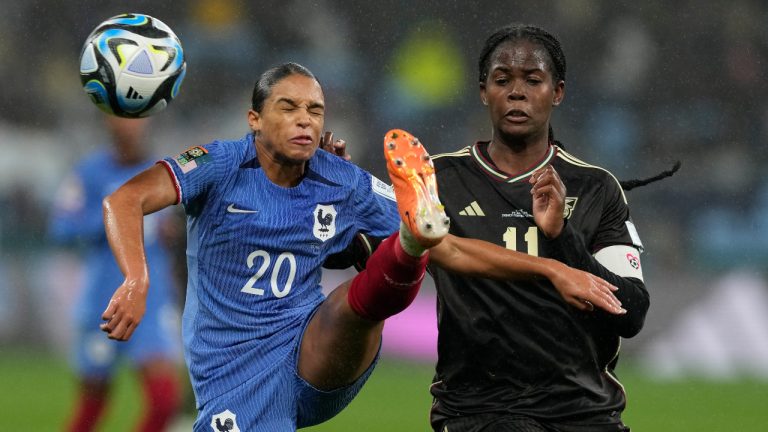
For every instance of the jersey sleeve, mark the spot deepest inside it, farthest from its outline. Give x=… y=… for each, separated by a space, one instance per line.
x=197 y=170
x=375 y=206
x=616 y=227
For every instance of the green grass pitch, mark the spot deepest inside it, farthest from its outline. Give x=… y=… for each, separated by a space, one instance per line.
x=37 y=392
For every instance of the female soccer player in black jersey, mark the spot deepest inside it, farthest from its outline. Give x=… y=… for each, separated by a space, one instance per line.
x=513 y=355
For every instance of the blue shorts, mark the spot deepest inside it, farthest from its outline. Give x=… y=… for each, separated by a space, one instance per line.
x=277 y=399
x=157 y=336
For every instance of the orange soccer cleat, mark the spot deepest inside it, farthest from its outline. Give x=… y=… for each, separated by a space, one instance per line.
x=413 y=177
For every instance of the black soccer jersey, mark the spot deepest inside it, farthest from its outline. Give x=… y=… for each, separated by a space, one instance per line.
x=517 y=347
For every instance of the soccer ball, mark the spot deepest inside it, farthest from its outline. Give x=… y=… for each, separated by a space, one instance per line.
x=132 y=65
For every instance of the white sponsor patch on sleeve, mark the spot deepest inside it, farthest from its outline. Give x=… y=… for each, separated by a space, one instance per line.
x=383 y=189
x=621 y=260
x=634 y=235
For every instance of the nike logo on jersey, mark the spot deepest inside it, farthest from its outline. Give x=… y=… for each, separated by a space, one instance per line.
x=233 y=209
x=472 y=210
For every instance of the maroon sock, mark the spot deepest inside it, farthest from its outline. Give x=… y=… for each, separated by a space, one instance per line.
x=389 y=283
x=161 y=395
x=88 y=413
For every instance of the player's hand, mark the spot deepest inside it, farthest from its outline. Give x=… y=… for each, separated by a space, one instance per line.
x=548 y=193
x=125 y=310
x=338 y=147
x=586 y=291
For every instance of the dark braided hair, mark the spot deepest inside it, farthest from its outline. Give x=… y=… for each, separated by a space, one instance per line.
x=557 y=64
x=631 y=184
x=268 y=79
x=516 y=32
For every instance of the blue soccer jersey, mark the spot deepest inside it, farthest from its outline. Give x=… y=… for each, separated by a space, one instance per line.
x=255 y=251
x=77 y=219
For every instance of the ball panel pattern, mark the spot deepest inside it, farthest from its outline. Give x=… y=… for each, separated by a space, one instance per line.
x=132 y=65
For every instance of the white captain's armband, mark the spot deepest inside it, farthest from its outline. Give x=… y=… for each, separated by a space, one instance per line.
x=621 y=260
x=382 y=189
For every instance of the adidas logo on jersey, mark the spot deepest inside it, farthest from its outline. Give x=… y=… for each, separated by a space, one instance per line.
x=472 y=210
x=133 y=94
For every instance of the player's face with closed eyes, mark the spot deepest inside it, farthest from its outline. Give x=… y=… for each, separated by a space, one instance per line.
x=291 y=120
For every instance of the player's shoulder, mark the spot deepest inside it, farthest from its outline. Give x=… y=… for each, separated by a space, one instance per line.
x=221 y=152
x=95 y=163
x=570 y=165
x=334 y=168
x=96 y=157
x=237 y=149
x=456 y=158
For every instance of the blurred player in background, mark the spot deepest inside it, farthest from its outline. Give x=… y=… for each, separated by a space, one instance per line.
x=155 y=349
x=265 y=349
x=525 y=360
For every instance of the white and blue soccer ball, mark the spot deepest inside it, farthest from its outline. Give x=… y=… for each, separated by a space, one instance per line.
x=132 y=65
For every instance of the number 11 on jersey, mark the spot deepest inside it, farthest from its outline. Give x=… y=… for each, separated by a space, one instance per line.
x=531 y=239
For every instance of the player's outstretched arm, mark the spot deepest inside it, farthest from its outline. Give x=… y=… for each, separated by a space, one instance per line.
x=478 y=258
x=124 y=212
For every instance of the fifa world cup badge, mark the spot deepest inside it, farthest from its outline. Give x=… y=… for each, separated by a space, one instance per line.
x=192 y=158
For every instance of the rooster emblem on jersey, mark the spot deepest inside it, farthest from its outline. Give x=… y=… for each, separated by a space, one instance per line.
x=226 y=426
x=324 y=218
x=224 y=421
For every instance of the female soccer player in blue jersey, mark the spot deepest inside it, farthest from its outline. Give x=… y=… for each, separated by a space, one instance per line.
x=155 y=349
x=265 y=350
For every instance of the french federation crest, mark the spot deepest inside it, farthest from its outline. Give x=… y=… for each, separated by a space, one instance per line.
x=224 y=422
x=325 y=222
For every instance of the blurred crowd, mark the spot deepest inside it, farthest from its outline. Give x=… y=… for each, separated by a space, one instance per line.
x=648 y=83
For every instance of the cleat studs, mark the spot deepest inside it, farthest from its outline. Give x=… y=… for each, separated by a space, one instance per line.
x=415 y=142
x=399 y=162
x=425 y=158
x=428 y=226
x=446 y=221
x=391 y=145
